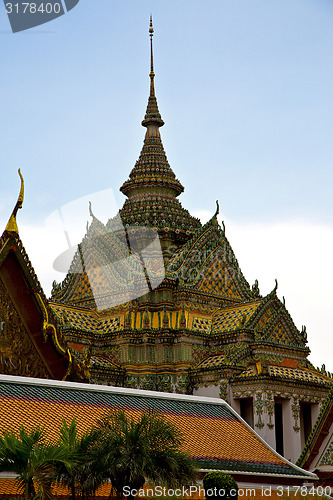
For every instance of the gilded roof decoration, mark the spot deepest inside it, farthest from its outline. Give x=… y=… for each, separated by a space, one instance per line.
x=105 y=270
x=18 y=355
x=84 y=320
x=296 y=374
x=233 y=317
x=12 y=225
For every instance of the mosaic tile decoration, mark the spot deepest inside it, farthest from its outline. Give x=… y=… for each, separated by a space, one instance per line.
x=213 y=361
x=85 y=320
x=232 y=318
x=201 y=324
x=297 y=374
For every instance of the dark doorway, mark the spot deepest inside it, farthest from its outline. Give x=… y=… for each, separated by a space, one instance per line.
x=306 y=424
x=279 y=428
x=246 y=410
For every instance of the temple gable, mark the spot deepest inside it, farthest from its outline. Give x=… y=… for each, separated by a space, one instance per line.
x=18 y=354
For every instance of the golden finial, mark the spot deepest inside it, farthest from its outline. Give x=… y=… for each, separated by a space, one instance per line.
x=152 y=74
x=12 y=226
x=217 y=208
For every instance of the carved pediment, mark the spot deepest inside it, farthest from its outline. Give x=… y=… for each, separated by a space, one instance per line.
x=274 y=324
x=18 y=355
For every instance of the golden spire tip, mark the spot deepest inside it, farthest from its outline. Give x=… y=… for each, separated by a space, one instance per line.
x=12 y=225
x=152 y=74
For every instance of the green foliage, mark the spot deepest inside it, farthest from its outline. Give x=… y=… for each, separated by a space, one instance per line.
x=133 y=451
x=120 y=450
x=33 y=460
x=220 y=483
x=80 y=477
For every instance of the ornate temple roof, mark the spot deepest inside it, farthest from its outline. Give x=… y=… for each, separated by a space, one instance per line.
x=27 y=323
x=226 y=443
x=206 y=264
x=152 y=187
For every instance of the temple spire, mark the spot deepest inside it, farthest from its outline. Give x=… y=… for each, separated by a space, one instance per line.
x=12 y=225
x=152 y=188
x=152 y=116
x=152 y=74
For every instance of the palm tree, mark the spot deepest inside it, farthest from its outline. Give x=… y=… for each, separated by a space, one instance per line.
x=132 y=451
x=82 y=478
x=33 y=460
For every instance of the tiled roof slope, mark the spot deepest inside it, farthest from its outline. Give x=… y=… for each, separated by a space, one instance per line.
x=215 y=436
x=232 y=317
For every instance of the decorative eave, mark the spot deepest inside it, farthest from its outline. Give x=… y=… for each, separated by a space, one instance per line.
x=12 y=225
x=265 y=377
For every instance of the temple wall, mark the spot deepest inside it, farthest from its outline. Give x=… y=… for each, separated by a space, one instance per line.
x=212 y=391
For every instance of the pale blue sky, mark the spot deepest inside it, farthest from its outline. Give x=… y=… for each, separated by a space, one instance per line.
x=244 y=87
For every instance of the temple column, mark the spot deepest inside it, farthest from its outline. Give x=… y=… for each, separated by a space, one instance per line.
x=291 y=428
x=268 y=418
x=263 y=405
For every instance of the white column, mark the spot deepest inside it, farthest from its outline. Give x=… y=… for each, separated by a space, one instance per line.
x=263 y=409
x=291 y=429
x=269 y=419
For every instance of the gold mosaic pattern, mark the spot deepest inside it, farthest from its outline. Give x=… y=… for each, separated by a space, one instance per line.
x=249 y=372
x=213 y=362
x=219 y=280
x=201 y=324
x=232 y=318
x=280 y=335
x=85 y=320
x=221 y=437
x=297 y=374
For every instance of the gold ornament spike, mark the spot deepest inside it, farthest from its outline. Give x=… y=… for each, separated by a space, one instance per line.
x=12 y=225
x=152 y=74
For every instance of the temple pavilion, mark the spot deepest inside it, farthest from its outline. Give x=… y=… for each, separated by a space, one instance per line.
x=155 y=300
